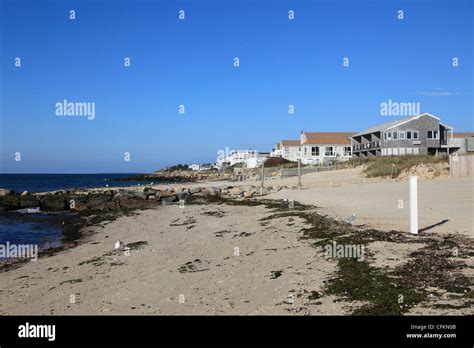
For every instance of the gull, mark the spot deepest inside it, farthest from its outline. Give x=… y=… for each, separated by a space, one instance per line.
x=351 y=219
x=118 y=244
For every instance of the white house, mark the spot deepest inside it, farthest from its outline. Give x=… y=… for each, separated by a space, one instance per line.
x=250 y=158
x=194 y=167
x=289 y=149
x=276 y=152
x=324 y=147
x=257 y=160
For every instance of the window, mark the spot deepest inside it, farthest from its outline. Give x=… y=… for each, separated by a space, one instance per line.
x=287 y=150
x=436 y=134
x=389 y=135
x=305 y=151
x=384 y=135
x=415 y=134
x=402 y=135
x=329 y=151
x=315 y=151
x=408 y=134
x=347 y=150
x=395 y=135
x=430 y=135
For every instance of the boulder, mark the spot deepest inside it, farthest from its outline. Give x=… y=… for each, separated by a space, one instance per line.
x=53 y=203
x=79 y=201
x=169 y=200
x=195 y=190
x=24 y=193
x=150 y=191
x=9 y=202
x=214 y=191
x=236 y=191
x=6 y=192
x=29 y=201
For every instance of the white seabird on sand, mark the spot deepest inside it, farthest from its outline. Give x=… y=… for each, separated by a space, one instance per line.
x=118 y=244
x=351 y=219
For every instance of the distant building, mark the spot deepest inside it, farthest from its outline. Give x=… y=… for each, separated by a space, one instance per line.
x=257 y=160
x=423 y=134
x=325 y=147
x=249 y=158
x=464 y=142
x=276 y=151
x=194 y=167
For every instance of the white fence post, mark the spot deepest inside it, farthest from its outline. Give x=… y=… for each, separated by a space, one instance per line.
x=413 y=204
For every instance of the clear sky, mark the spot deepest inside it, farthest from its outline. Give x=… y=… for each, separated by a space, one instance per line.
x=191 y=62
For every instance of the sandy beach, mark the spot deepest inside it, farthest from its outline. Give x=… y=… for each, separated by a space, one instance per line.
x=217 y=258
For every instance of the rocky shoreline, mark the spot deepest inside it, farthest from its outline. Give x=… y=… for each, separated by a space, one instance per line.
x=89 y=207
x=176 y=176
x=112 y=199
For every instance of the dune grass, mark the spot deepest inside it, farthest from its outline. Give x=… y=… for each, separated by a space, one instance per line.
x=382 y=166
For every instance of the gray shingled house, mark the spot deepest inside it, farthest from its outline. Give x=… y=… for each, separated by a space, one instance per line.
x=423 y=134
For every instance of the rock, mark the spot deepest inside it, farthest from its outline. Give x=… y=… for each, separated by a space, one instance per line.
x=139 y=194
x=9 y=202
x=24 y=193
x=29 y=201
x=151 y=197
x=195 y=190
x=6 y=192
x=97 y=201
x=214 y=191
x=236 y=191
x=169 y=200
x=150 y=191
x=248 y=194
x=77 y=201
x=53 y=203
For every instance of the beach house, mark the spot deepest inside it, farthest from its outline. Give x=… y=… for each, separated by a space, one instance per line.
x=289 y=149
x=422 y=134
x=325 y=147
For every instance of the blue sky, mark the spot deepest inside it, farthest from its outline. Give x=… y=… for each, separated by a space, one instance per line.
x=190 y=62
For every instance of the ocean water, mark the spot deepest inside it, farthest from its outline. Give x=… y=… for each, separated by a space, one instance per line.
x=51 y=182
x=30 y=226
x=41 y=229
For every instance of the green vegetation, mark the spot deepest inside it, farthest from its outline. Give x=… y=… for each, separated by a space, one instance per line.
x=378 y=291
x=177 y=167
x=280 y=162
x=230 y=169
x=381 y=294
x=392 y=166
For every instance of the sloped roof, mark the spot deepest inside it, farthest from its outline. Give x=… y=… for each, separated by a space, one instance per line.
x=290 y=143
x=392 y=124
x=463 y=135
x=328 y=138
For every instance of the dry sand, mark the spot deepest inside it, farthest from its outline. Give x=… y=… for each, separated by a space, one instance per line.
x=190 y=264
x=445 y=205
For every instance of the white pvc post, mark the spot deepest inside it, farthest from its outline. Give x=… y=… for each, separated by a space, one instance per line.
x=413 y=204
